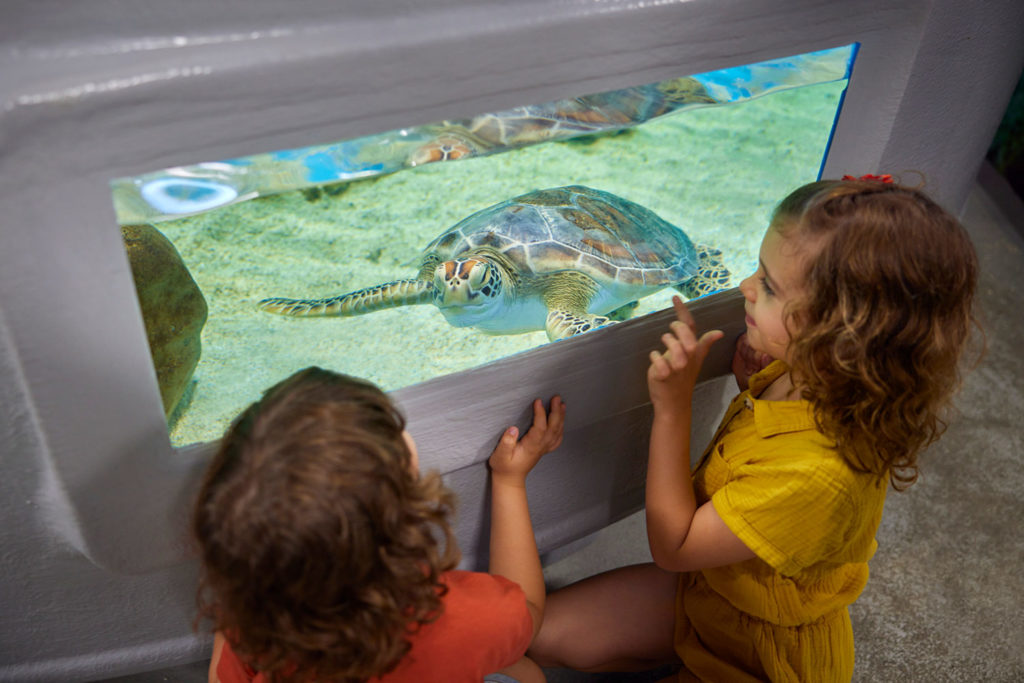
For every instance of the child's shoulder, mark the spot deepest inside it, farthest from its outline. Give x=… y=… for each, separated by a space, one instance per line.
x=484 y=625
x=468 y=591
x=808 y=462
x=462 y=579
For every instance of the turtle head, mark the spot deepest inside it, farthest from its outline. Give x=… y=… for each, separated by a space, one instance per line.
x=445 y=147
x=467 y=290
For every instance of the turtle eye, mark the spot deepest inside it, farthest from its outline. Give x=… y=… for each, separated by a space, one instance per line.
x=477 y=275
x=484 y=279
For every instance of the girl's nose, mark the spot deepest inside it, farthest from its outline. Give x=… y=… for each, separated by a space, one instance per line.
x=748 y=289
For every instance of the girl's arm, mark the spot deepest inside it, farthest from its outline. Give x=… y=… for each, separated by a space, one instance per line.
x=682 y=536
x=513 y=546
x=218 y=646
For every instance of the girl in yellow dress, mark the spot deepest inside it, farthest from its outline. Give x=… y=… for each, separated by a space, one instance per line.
x=860 y=309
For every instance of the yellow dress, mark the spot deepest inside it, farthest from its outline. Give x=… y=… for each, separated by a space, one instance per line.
x=811 y=520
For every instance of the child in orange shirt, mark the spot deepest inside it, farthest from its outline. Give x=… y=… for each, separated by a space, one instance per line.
x=327 y=557
x=862 y=301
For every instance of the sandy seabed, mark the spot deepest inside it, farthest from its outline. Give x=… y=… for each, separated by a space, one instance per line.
x=715 y=172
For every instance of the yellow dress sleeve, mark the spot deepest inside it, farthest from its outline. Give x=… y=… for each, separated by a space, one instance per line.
x=793 y=509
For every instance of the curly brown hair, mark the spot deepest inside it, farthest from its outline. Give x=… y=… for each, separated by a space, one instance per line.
x=887 y=314
x=321 y=548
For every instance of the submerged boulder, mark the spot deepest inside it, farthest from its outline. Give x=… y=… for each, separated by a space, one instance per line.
x=173 y=308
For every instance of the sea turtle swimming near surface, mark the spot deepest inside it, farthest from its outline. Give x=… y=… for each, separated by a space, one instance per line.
x=563 y=119
x=557 y=120
x=565 y=260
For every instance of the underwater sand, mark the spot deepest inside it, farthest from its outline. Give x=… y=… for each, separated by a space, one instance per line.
x=715 y=172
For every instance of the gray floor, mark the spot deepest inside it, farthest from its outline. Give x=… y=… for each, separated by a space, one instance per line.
x=946 y=597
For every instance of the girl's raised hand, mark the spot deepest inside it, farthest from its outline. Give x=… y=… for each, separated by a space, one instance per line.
x=672 y=374
x=513 y=458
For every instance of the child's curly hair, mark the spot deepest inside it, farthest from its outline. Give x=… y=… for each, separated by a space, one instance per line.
x=319 y=544
x=886 y=317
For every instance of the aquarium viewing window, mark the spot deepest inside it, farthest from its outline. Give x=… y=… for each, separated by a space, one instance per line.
x=315 y=223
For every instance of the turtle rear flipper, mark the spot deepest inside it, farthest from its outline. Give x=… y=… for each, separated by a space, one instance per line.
x=368 y=300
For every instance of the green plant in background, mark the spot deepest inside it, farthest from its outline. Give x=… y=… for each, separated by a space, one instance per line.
x=1006 y=153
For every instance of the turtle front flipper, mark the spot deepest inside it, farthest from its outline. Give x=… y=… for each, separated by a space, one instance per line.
x=712 y=275
x=623 y=312
x=567 y=295
x=368 y=300
x=563 y=324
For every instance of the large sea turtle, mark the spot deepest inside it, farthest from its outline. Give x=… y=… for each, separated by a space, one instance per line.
x=557 y=120
x=565 y=260
x=551 y=121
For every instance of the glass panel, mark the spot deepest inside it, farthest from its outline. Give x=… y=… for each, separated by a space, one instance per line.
x=316 y=223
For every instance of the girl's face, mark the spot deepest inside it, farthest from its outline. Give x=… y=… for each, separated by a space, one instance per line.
x=777 y=281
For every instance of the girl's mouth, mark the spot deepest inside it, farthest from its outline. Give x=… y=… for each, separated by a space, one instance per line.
x=750 y=321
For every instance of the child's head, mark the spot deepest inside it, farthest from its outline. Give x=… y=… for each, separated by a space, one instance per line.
x=321 y=547
x=879 y=313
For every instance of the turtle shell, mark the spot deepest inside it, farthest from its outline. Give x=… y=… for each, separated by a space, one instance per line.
x=611 y=239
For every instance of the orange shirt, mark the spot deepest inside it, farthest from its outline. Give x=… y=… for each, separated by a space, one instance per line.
x=485 y=626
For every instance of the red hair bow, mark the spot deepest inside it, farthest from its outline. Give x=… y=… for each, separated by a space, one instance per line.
x=887 y=178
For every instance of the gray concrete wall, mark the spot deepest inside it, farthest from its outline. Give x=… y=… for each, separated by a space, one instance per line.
x=96 y=580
